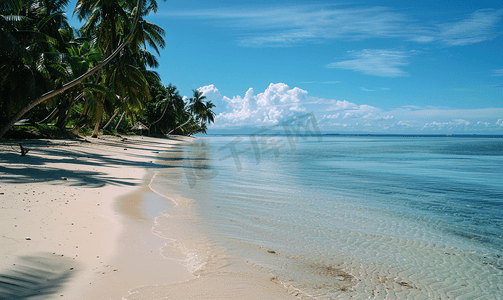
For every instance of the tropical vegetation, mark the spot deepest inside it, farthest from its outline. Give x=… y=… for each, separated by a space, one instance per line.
x=96 y=78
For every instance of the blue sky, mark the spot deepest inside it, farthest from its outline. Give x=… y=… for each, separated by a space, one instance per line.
x=368 y=66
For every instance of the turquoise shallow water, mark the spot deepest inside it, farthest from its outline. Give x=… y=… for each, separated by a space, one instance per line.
x=341 y=217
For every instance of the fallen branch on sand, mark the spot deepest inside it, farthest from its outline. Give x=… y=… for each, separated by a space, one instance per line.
x=24 y=150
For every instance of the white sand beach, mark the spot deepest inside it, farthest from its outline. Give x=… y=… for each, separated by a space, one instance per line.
x=74 y=226
x=59 y=206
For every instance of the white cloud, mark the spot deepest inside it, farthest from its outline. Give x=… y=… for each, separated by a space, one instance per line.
x=351 y=115
x=339 y=124
x=268 y=26
x=267 y=108
x=366 y=89
x=461 y=122
x=458 y=125
x=478 y=27
x=401 y=123
x=498 y=72
x=447 y=113
x=411 y=119
x=341 y=105
x=374 y=116
x=385 y=63
x=283 y=26
x=436 y=125
x=279 y=102
x=334 y=116
x=211 y=92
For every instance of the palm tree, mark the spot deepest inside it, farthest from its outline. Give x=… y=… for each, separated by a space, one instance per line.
x=107 y=20
x=208 y=115
x=201 y=109
x=30 y=62
x=197 y=114
x=81 y=57
x=196 y=104
x=11 y=43
x=163 y=111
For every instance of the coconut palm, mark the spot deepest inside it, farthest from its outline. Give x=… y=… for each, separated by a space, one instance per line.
x=12 y=43
x=197 y=115
x=196 y=104
x=30 y=62
x=208 y=116
x=165 y=109
x=201 y=109
x=107 y=20
x=101 y=71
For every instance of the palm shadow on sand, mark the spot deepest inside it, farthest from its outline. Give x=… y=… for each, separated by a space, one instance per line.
x=35 y=276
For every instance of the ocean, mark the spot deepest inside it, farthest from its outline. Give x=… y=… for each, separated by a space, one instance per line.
x=339 y=217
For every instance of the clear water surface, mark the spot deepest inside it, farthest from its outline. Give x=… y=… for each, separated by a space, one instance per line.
x=341 y=217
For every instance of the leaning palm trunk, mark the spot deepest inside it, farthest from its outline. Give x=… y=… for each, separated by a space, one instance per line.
x=190 y=119
x=51 y=116
x=97 y=118
x=162 y=116
x=74 y=82
x=111 y=119
x=120 y=120
x=64 y=114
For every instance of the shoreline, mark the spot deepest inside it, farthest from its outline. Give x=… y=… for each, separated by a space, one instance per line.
x=191 y=245
x=103 y=231
x=107 y=219
x=60 y=211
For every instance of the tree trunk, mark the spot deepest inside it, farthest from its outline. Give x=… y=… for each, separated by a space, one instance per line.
x=97 y=118
x=8 y=125
x=62 y=115
x=50 y=117
x=96 y=130
x=120 y=120
x=111 y=119
x=190 y=119
x=65 y=115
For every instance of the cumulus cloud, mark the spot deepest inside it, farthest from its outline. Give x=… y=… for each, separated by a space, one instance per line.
x=211 y=92
x=416 y=112
x=277 y=102
x=402 y=123
x=339 y=124
x=459 y=125
x=341 y=105
x=373 y=116
x=385 y=63
x=461 y=122
x=436 y=125
x=334 y=116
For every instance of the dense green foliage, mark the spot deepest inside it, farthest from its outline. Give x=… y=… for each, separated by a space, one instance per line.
x=40 y=52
